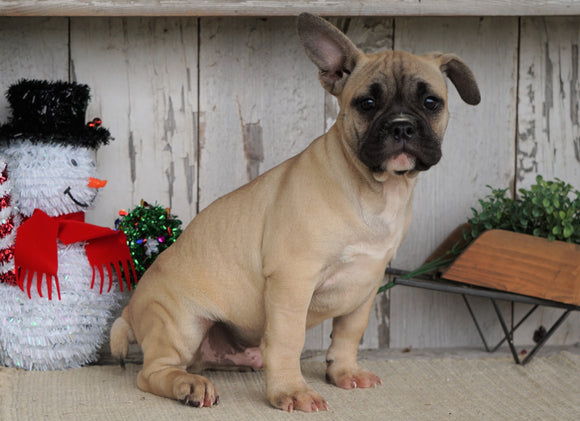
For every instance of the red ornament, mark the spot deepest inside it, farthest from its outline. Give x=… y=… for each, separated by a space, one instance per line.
x=4 y=175
x=5 y=201
x=96 y=122
x=8 y=278
x=7 y=227
x=6 y=255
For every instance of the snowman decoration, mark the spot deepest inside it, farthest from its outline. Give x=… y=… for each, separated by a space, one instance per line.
x=55 y=312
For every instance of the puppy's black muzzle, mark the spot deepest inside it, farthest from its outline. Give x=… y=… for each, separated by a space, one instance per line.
x=389 y=136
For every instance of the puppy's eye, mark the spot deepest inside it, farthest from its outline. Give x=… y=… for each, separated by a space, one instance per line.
x=74 y=162
x=367 y=104
x=431 y=103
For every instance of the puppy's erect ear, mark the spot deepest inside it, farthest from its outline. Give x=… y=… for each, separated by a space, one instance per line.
x=461 y=76
x=333 y=53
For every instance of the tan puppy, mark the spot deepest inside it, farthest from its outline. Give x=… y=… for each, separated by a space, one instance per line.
x=307 y=241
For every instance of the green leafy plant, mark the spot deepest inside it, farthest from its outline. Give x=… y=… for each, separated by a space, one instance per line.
x=549 y=209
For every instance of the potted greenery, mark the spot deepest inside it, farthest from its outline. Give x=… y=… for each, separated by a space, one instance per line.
x=546 y=210
x=529 y=245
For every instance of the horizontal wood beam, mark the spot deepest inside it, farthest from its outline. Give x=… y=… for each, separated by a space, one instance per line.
x=288 y=8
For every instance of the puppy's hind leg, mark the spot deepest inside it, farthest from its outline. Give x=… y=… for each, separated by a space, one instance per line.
x=168 y=350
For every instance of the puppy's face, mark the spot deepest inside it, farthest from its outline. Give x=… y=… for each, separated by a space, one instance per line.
x=394 y=109
x=393 y=104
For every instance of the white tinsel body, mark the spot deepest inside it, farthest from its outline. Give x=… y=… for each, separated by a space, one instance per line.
x=43 y=334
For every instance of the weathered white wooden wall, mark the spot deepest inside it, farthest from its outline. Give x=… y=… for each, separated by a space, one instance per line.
x=548 y=137
x=199 y=106
x=143 y=76
x=478 y=150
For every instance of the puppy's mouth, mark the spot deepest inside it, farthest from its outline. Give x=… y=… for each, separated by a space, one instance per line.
x=401 y=163
x=398 y=147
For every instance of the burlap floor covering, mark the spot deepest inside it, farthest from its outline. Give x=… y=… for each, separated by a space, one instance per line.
x=491 y=388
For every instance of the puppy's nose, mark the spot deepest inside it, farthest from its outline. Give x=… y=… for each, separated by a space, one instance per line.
x=402 y=130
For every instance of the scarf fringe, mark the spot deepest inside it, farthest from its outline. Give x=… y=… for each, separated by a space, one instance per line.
x=123 y=269
x=29 y=278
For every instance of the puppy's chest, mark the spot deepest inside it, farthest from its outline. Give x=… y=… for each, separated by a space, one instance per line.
x=359 y=261
x=358 y=266
x=374 y=242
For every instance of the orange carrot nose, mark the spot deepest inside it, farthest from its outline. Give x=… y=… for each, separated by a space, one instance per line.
x=95 y=183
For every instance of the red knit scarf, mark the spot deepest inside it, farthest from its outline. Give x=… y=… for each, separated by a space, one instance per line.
x=36 y=250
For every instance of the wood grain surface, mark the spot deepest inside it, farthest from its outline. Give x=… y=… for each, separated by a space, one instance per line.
x=286 y=8
x=522 y=264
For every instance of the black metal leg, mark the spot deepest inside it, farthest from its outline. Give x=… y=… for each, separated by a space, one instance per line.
x=487 y=348
x=545 y=338
x=528 y=314
x=511 y=332
x=442 y=285
x=508 y=334
x=514 y=328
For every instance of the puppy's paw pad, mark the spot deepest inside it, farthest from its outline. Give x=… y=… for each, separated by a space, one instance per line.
x=360 y=379
x=195 y=391
x=302 y=400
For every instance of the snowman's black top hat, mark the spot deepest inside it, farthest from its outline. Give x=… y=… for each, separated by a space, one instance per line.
x=51 y=112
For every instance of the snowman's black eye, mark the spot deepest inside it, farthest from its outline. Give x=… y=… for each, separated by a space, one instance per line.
x=73 y=162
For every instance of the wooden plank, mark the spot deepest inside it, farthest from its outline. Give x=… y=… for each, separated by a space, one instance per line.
x=260 y=103
x=142 y=74
x=478 y=150
x=548 y=138
x=285 y=8
x=549 y=91
x=260 y=100
x=522 y=264
x=32 y=48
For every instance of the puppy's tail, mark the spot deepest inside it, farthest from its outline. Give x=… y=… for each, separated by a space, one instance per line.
x=121 y=336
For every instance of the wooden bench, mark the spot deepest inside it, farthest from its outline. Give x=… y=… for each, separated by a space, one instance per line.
x=503 y=265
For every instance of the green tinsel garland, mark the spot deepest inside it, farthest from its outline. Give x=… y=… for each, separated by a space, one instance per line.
x=150 y=229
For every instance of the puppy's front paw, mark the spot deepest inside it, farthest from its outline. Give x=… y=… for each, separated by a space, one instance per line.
x=302 y=399
x=196 y=391
x=352 y=379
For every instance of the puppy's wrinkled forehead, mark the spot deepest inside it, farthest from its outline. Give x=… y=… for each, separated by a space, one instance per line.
x=396 y=74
